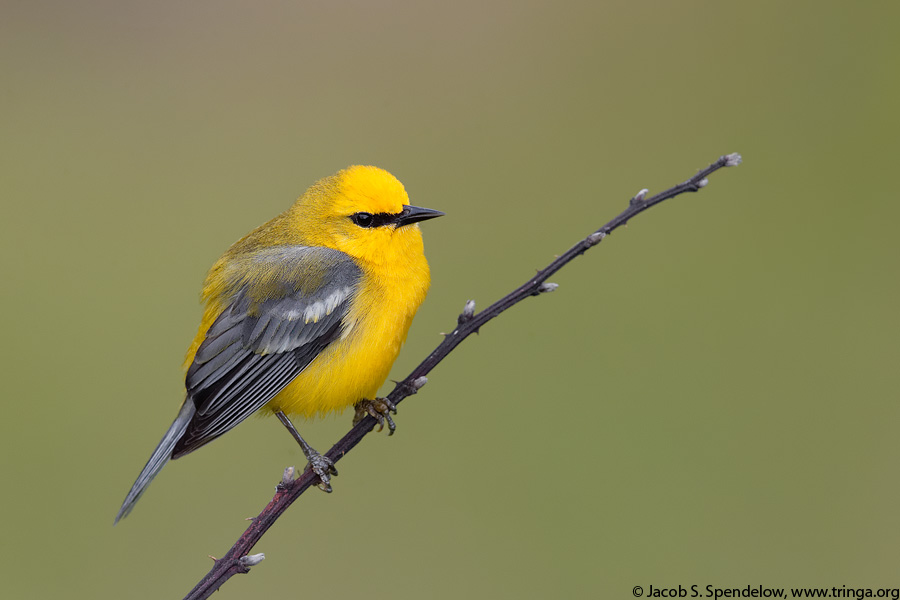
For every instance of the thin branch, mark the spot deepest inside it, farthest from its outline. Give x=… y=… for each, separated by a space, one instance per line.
x=236 y=560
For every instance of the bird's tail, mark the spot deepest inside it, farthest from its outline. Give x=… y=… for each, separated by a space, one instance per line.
x=159 y=458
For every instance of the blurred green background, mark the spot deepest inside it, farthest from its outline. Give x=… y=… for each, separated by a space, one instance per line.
x=709 y=398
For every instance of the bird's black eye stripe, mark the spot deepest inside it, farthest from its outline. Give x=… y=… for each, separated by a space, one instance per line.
x=369 y=220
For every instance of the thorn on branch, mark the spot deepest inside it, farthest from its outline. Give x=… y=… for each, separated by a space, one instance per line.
x=408 y=388
x=733 y=159
x=467 y=314
x=251 y=560
x=639 y=197
x=286 y=478
x=595 y=238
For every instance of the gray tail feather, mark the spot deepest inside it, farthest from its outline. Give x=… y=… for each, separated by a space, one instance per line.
x=159 y=458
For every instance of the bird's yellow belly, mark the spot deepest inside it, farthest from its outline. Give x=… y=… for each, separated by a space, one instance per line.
x=355 y=366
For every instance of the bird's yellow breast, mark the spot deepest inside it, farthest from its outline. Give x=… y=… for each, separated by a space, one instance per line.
x=353 y=367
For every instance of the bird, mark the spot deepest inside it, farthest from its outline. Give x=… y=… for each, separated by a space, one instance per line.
x=303 y=316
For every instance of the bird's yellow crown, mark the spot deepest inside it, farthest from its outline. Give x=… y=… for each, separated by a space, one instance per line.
x=359 y=188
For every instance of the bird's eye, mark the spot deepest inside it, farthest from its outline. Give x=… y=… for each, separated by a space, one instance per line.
x=363 y=219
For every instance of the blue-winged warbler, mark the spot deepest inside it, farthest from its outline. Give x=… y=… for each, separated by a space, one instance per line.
x=304 y=315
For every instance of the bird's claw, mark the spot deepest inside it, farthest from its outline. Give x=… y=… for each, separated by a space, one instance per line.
x=379 y=409
x=325 y=469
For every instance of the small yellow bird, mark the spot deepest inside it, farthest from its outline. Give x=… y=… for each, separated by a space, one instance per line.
x=304 y=315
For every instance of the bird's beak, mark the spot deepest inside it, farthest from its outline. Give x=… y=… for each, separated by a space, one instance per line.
x=414 y=214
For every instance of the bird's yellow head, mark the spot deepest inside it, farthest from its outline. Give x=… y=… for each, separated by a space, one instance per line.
x=364 y=212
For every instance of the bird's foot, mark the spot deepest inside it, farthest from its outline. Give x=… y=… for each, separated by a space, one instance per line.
x=324 y=468
x=380 y=409
x=320 y=465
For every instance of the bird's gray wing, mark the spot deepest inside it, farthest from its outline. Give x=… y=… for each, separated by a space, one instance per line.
x=285 y=309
